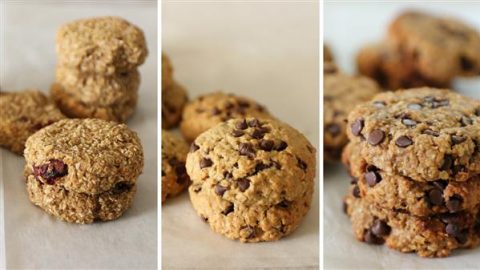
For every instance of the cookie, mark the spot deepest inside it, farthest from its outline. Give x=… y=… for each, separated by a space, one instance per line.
x=341 y=93
x=391 y=69
x=209 y=110
x=252 y=180
x=174 y=175
x=105 y=45
x=399 y=193
x=83 y=170
x=434 y=236
x=75 y=108
x=327 y=54
x=173 y=102
x=22 y=114
x=98 y=89
x=167 y=73
x=440 y=47
x=425 y=134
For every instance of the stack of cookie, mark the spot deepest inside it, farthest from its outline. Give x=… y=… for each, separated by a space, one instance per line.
x=414 y=158
x=422 y=50
x=174 y=96
x=97 y=74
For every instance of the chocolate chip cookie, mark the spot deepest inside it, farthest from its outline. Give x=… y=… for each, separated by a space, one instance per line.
x=252 y=180
x=341 y=93
x=106 y=45
x=433 y=236
x=425 y=134
x=22 y=114
x=83 y=170
x=209 y=110
x=173 y=101
x=400 y=193
x=391 y=69
x=119 y=111
x=440 y=47
x=174 y=175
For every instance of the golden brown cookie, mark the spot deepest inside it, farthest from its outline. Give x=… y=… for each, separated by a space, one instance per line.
x=174 y=175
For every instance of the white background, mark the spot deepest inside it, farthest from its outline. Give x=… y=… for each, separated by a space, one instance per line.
x=268 y=52
x=33 y=238
x=348 y=27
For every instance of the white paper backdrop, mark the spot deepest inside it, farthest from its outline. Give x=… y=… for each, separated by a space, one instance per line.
x=265 y=51
x=33 y=238
x=349 y=26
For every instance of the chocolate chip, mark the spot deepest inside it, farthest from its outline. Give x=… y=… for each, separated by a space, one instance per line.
x=452 y=229
x=435 y=196
x=409 y=122
x=380 y=228
x=302 y=164
x=371 y=238
x=281 y=146
x=457 y=139
x=266 y=145
x=372 y=178
x=356 y=192
x=465 y=121
x=246 y=149
x=447 y=162
x=333 y=129
x=414 y=106
x=431 y=132
x=458 y=168
x=194 y=147
x=403 y=141
x=462 y=237
x=477 y=112
x=237 y=133
x=257 y=134
x=379 y=104
x=220 y=190
x=51 y=171
x=227 y=175
x=216 y=111
x=241 y=125
x=376 y=137
x=357 y=127
x=172 y=161
x=205 y=162
x=440 y=184
x=466 y=63
x=121 y=187
x=228 y=105
x=243 y=184
x=260 y=167
x=283 y=204
x=353 y=180
x=243 y=103
x=454 y=203
x=228 y=210
x=254 y=123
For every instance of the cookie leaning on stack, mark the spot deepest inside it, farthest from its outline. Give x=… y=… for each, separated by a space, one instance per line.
x=174 y=96
x=415 y=163
x=97 y=74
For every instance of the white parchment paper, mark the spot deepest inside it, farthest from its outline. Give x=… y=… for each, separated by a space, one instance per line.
x=349 y=26
x=33 y=238
x=265 y=51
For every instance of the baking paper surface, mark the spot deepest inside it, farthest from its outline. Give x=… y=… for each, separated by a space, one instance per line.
x=348 y=27
x=268 y=52
x=33 y=238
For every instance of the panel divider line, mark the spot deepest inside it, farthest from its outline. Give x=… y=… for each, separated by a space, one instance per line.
x=3 y=258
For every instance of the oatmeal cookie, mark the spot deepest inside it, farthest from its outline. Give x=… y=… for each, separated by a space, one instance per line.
x=82 y=170
x=22 y=114
x=252 y=180
x=425 y=134
x=174 y=175
x=209 y=110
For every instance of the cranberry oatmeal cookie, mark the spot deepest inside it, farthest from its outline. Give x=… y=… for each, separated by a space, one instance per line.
x=83 y=170
x=174 y=175
x=252 y=180
x=22 y=114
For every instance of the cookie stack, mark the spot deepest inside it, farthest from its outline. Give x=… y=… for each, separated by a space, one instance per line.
x=174 y=96
x=414 y=158
x=422 y=50
x=97 y=74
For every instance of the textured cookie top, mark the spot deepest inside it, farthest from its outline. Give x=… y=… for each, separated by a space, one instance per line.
x=442 y=47
x=89 y=155
x=22 y=114
x=174 y=154
x=252 y=162
x=167 y=72
x=207 y=111
x=424 y=133
x=101 y=45
x=341 y=93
